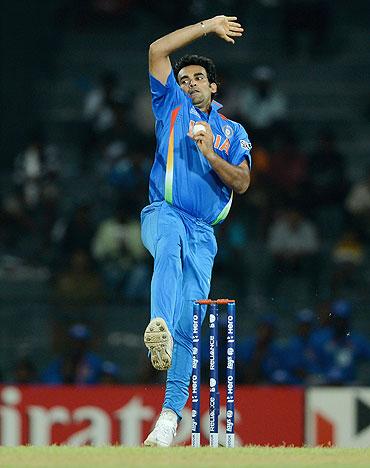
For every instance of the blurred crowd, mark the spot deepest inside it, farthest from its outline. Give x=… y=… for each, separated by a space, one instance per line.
x=76 y=364
x=323 y=349
x=310 y=220
x=298 y=204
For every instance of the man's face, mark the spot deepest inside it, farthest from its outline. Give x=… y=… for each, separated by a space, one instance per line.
x=194 y=81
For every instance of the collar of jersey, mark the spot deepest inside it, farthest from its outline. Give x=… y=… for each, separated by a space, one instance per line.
x=216 y=106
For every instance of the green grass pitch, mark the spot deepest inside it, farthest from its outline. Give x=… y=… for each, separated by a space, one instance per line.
x=140 y=457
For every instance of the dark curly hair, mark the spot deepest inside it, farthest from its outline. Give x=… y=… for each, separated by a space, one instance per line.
x=204 y=62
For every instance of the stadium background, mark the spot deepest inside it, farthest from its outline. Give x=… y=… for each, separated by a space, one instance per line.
x=53 y=271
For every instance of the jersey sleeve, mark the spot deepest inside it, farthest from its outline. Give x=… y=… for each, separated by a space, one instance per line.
x=165 y=97
x=240 y=148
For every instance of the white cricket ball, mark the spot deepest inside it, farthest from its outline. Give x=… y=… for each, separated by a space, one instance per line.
x=198 y=128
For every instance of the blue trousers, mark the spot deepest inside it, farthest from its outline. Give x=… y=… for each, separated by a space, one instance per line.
x=183 y=249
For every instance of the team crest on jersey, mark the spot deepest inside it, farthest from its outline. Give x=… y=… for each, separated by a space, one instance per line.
x=228 y=131
x=246 y=144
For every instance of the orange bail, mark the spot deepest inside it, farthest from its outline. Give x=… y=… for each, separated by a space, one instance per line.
x=215 y=301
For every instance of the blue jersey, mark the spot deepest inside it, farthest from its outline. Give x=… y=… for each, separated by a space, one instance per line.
x=181 y=175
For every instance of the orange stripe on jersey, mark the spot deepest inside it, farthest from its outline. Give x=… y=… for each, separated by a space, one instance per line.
x=170 y=158
x=174 y=116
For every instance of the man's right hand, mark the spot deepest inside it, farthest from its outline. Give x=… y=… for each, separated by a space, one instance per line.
x=224 y=27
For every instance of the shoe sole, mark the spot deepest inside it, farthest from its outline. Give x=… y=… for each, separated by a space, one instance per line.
x=157 y=339
x=149 y=443
x=153 y=443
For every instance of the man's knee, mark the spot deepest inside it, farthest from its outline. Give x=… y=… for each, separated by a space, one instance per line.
x=169 y=244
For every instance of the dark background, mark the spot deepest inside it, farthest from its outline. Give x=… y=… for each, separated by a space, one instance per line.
x=53 y=53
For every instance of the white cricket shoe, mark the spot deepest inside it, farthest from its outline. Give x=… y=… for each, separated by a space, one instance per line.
x=158 y=340
x=164 y=430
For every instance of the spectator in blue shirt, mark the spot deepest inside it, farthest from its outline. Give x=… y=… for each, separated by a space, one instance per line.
x=78 y=365
x=300 y=358
x=261 y=356
x=339 y=350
